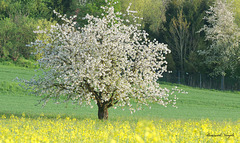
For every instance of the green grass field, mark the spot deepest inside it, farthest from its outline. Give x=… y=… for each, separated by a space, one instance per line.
x=197 y=104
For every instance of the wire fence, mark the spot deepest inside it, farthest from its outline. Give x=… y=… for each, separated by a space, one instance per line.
x=202 y=80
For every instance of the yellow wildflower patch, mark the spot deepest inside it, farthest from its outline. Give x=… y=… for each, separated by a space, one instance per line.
x=42 y=129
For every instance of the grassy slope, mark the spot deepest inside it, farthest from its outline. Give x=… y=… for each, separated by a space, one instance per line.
x=197 y=104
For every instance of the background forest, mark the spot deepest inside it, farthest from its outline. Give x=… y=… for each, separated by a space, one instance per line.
x=203 y=35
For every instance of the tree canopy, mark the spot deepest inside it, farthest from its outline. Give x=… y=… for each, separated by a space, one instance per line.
x=223 y=33
x=107 y=61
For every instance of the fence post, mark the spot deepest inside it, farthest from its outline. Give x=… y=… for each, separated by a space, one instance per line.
x=210 y=85
x=222 y=82
x=179 y=77
x=200 y=80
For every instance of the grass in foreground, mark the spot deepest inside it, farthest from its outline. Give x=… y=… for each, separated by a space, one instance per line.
x=42 y=129
x=197 y=104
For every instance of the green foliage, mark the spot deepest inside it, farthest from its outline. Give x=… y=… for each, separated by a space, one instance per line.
x=152 y=13
x=93 y=7
x=31 y=8
x=14 y=35
x=18 y=21
x=236 y=10
x=6 y=26
x=61 y=6
x=179 y=32
x=222 y=55
x=12 y=88
x=22 y=62
x=3 y=7
x=43 y=24
x=183 y=19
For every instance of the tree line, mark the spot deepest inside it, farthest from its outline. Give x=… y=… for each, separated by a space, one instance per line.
x=203 y=35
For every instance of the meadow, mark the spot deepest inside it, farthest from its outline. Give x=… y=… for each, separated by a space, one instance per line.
x=202 y=116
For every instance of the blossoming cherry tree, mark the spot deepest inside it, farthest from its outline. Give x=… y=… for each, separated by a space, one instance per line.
x=109 y=61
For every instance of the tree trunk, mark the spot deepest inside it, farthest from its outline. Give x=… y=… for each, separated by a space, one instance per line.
x=102 y=111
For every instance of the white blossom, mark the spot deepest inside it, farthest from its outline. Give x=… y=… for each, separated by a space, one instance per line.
x=223 y=33
x=106 y=61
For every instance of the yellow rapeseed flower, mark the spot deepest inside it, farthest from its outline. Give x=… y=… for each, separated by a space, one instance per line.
x=14 y=129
